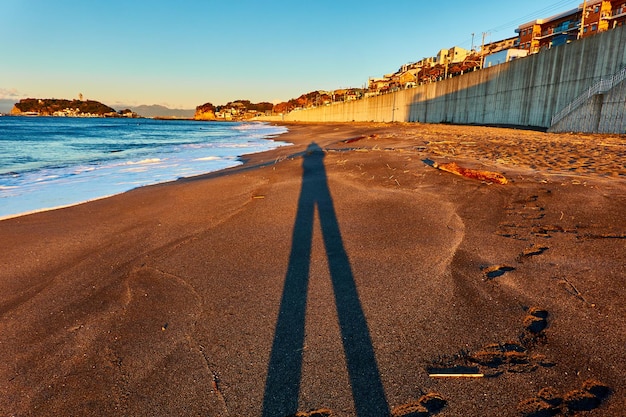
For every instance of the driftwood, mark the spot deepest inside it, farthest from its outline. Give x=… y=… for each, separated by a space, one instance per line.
x=477 y=174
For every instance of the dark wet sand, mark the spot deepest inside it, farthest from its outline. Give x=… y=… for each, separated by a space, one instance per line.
x=166 y=300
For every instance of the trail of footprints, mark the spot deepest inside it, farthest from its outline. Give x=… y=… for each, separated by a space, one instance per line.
x=521 y=356
x=526 y=220
x=494 y=359
x=515 y=356
x=548 y=401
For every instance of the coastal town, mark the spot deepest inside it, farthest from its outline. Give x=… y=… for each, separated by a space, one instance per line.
x=588 y=19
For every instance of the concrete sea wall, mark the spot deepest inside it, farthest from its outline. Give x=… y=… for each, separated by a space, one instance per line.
x=524 y=92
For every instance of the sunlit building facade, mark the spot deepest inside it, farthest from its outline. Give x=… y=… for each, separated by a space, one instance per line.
x=589 y=18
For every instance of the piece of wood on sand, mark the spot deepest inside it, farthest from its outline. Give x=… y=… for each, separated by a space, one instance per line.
x=456 y=375
x=477 y=174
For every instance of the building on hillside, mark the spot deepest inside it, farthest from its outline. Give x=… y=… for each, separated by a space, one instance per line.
x=347 y=94
x=503 y=56
x=426 y=62
x=497 y=46
x=408 y=78
x=602 y=15
x=451 y=56
x=552 y=31
x=597 y=16
x=377 y=85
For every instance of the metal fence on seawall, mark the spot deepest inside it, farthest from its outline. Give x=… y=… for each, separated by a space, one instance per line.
x=600 y=87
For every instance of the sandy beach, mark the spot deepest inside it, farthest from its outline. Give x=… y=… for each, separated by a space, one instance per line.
x=344 y=274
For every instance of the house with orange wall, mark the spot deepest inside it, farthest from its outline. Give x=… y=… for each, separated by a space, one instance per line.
x=589 y=18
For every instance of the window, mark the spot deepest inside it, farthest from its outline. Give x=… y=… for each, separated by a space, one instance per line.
x=594 y=27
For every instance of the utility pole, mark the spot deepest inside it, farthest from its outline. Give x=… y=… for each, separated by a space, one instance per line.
x=582 y=20
x=482 y=51
x=472 y=42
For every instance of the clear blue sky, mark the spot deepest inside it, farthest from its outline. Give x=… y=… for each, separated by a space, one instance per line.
x=184 y=53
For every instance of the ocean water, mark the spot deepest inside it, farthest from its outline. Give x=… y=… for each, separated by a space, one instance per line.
x=50 y=162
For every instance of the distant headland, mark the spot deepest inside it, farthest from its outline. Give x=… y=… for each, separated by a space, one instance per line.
x=234 y=110
x=67 y=108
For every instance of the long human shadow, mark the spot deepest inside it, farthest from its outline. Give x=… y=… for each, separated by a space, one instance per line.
x=282 y=386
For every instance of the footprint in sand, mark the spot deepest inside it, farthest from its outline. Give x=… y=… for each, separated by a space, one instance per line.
x=549 y=402
x=496 y=271
x=524 y=214
x=533 y=250
x=496 y=358
x=427 y=405
x=536 y=320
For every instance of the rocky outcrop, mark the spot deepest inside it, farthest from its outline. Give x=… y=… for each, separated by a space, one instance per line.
x=205 y=112
x=53 y=107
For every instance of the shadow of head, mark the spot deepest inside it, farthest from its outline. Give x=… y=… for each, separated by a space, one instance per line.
x=314 y=149
x=313 y=161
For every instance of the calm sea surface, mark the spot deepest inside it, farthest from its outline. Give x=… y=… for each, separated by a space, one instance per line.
x=48 y=162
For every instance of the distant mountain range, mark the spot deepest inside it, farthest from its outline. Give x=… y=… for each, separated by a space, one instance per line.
x=156 y=110
x=6 y=104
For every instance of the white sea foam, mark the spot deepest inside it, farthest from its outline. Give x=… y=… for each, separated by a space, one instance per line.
x=208 y=158
x=113 y=156
x=144 y=161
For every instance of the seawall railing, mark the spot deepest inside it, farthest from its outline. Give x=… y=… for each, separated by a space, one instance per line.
x=600 y=87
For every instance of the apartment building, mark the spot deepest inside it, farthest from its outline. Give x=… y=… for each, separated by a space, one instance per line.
x=497 y=46
x=587 y=19
x=451 y=56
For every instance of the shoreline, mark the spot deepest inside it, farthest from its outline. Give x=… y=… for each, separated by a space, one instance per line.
x=167 y=299
x=244 y=159
x=28 y=201
x=43 y=210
